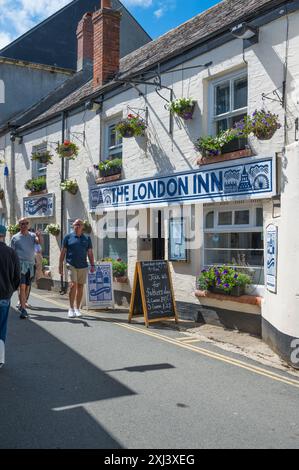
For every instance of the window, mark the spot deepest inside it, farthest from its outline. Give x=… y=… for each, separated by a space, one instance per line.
x=38 y=168
x=115 y=244
x=230 y=101
x=113 y=142
x=235 y=237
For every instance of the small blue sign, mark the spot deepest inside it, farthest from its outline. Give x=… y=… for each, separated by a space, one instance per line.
x=248 y=178
x=39 y=206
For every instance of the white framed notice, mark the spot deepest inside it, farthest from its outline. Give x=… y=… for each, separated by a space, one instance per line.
x=272 y=253
x=100 y=292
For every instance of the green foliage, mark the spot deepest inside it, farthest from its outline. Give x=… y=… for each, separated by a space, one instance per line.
x=263 y=124
x=13 y=229
x=68 y=150
x=53 y=229
x=43 y=157
x=36 y=184
x=213 y=144
x=45 y=262
x=110 y=164
x=222 y=277
x=131 y=126
x=118 y=265
x=69 y=185
x=182 y=106
x=87 y=228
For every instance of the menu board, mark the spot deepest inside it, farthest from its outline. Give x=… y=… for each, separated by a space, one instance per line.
x=153 y=294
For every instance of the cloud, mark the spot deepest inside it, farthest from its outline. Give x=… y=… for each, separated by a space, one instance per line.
x=5 y=39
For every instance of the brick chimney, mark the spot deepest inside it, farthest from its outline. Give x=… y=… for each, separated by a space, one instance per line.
x=106 y=24
x=85 y=42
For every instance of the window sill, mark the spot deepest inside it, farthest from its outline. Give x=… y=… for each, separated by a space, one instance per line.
x=37 y=193
x=108 y=179
x=243 y=299
x=225 y=157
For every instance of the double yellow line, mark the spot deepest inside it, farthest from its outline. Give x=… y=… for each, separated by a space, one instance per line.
x=182 y=343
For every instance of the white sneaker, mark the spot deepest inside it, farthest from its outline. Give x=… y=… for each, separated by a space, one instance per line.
x=71 y=313
x=78 y=314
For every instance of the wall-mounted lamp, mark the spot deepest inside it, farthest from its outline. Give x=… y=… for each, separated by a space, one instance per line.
x=19 y=139
x=244 y=31
x=93 y=105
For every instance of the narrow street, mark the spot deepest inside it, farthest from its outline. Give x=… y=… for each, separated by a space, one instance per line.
x=98 y=382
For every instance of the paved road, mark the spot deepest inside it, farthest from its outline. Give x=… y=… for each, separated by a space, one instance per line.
x=99 y=383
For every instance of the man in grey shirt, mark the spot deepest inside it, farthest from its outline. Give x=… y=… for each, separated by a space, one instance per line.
x=24 y=243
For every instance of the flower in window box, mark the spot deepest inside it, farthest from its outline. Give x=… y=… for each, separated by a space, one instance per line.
x=70 y=185
x=68 y=150
x=223 y=280
x=44 y=157
x=210 y=146
x=53 y=229
x=183 y=107
x=132 y=126
x=263 y=124
x=110 y=167
x=36 y=185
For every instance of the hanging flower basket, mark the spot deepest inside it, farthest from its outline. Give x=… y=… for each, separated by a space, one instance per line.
x=2 y=194
x=183 y=107
x=53 y=229
x=87 y=228
x=70 y=186
x=43 y=157
x=68 y=150
x=132 y=126
x=262 y=124
x=13 y=229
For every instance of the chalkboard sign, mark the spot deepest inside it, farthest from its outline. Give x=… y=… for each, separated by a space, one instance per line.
x=153 y=294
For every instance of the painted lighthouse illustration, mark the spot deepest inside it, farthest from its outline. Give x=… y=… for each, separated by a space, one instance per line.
x=245 y=184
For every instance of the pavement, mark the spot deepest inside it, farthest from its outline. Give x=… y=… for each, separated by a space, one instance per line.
x=243 y=344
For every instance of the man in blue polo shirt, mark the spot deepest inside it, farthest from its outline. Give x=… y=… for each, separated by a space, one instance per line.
x=76 y=248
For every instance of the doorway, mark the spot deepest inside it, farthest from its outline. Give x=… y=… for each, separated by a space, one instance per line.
x=159 y=242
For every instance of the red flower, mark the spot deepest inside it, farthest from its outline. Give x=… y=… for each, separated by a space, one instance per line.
x=66 y=142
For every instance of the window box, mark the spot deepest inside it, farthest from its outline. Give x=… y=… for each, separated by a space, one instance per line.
x=110 y=172
x=235 y=292
x=121 y=279
x=207 y=160
x=235 y=145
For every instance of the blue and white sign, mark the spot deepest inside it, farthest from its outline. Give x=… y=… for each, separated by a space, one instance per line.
x=100 y=292
x=39 y=206
x=248 y=178
x=272 y=251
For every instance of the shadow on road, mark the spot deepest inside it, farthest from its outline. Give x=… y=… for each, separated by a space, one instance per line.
x=43 y=388
x=146 y=368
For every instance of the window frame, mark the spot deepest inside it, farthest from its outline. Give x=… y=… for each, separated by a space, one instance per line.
x=231 y=78
x=238 y=228
x=115 y=149
x=36 y=165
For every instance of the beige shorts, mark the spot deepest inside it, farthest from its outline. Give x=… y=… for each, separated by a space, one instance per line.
x=79 y=276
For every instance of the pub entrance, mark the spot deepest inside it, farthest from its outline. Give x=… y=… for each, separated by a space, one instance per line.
x=158 y=243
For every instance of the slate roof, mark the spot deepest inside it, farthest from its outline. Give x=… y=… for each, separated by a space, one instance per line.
x=201 y=28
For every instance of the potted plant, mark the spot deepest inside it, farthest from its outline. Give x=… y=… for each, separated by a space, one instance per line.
x=263 y=124
x=224 y=280
x=110 y=167
x=53 y=229
x=36 y=185
x=70 y=186
x=45 y=263
x=87 y=228
x=183 y=107
x=119 y=269
x=2 y=194
x=210 y=146
x=13 y=229
x=43 y=157
x=68 y=150
x=132 y=126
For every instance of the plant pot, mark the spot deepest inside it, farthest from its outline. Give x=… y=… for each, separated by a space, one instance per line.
x=266 y=134
x=121 y=279
x=235 y=292
x=128 y=133
x=55 y=234
x=73 y=191
x=110 y=172
x=187 y=114
x=44 y=159
x=235 y=145
x=67 y=153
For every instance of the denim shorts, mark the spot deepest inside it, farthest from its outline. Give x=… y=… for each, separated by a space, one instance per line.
x=26 y=279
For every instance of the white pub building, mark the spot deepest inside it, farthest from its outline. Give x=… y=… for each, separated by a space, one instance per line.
x=163 y=198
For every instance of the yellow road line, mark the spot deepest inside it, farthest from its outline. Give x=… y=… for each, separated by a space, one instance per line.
x=184 y=345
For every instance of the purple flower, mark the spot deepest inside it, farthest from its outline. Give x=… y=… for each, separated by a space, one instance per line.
x=236 y=276
x=225 y=272
x=226 y=285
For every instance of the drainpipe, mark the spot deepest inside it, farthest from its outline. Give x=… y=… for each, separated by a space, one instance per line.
x=63 y=287
x=13 y=183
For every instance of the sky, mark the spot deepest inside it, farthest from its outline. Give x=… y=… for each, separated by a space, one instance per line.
x=155 y=16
